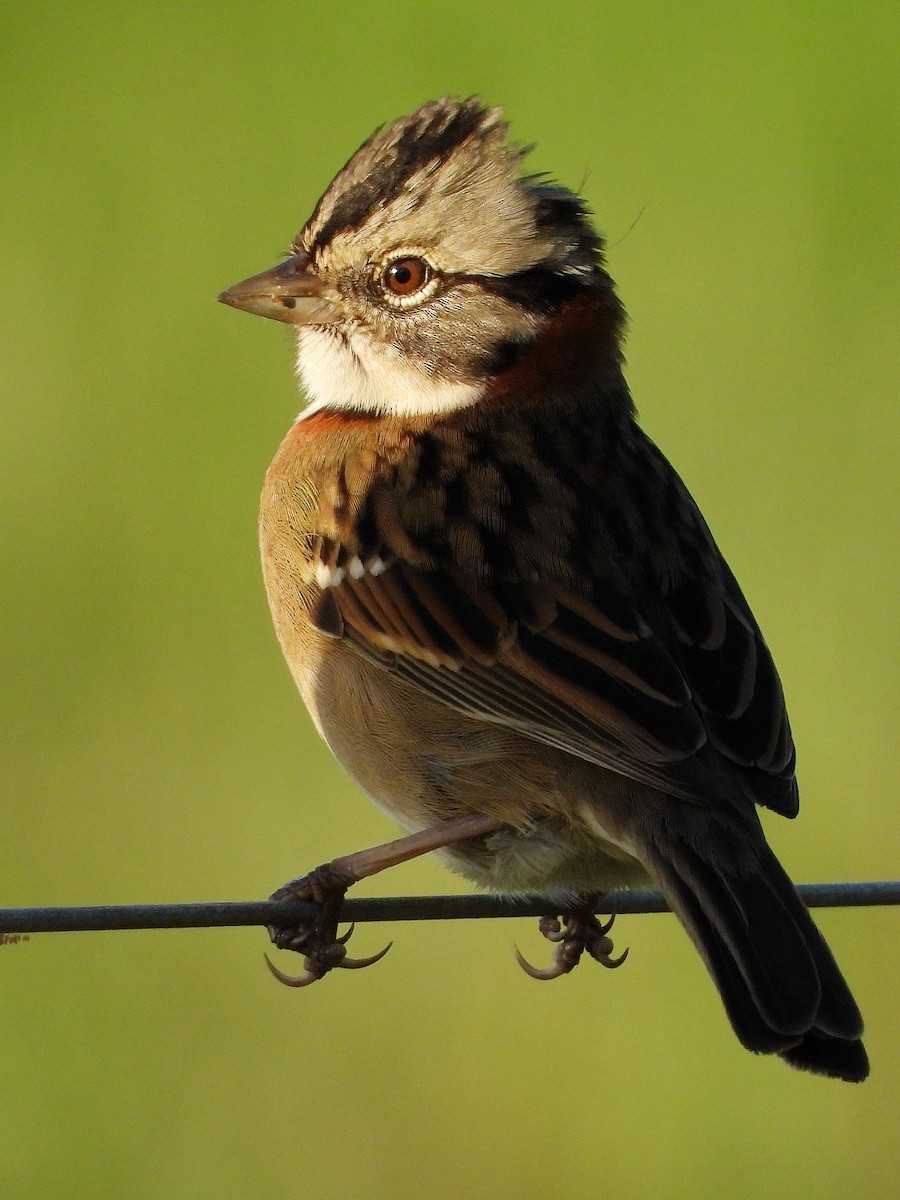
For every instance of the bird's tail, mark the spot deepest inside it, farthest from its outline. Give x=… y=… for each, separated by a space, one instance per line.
x=780 y=985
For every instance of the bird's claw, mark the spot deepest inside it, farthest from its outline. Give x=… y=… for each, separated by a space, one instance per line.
x=318 y=942
x=578 y=931
x=319 y=964
x=561 y=965
x=552 y=929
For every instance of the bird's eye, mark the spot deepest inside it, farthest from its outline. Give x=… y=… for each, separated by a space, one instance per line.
x=406 y=276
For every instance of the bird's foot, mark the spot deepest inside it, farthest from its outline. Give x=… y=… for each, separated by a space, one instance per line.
x=577 y=930
x=318 y=941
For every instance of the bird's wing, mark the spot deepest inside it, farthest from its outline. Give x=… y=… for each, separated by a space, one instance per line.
x=582 y=670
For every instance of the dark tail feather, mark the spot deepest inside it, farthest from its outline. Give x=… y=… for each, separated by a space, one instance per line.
x=780 y=985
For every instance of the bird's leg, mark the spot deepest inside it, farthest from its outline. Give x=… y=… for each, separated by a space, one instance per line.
x=577 y=931
x=318 y=942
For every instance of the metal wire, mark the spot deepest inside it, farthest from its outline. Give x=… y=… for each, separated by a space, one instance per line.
x=289 y=914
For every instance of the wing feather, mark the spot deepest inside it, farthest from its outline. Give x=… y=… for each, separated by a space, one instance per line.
x=661 y=676
x=536 y=657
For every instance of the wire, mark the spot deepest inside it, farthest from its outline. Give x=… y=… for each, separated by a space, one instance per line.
x=290 y=914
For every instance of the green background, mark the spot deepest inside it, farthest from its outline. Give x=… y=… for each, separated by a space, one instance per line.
x=740 y=160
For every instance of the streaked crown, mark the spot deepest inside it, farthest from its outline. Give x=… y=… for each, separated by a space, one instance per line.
x=447 y=179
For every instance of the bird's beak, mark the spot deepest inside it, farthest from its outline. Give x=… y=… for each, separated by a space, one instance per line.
x=289 y=292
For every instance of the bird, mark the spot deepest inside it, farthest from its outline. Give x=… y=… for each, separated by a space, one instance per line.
x=502 y=607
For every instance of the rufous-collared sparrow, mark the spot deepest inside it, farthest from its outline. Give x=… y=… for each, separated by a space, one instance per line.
x=503 y=609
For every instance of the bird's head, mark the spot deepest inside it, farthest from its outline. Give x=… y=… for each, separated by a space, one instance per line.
x=432 y=267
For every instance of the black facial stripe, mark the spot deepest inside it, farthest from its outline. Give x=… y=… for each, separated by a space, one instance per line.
x=540 y=290
x=417 y=147
x=503 y=355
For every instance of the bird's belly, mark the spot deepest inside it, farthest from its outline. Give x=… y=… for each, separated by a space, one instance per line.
x=422 y=762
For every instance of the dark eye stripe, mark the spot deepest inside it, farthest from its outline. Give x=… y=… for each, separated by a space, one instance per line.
x=540 y=290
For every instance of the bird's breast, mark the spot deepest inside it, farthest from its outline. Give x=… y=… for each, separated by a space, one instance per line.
x=315 y=491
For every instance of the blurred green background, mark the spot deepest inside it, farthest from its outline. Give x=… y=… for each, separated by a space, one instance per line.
x=742 y=163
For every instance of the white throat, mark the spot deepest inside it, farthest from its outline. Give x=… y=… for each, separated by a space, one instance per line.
x=347 y=371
